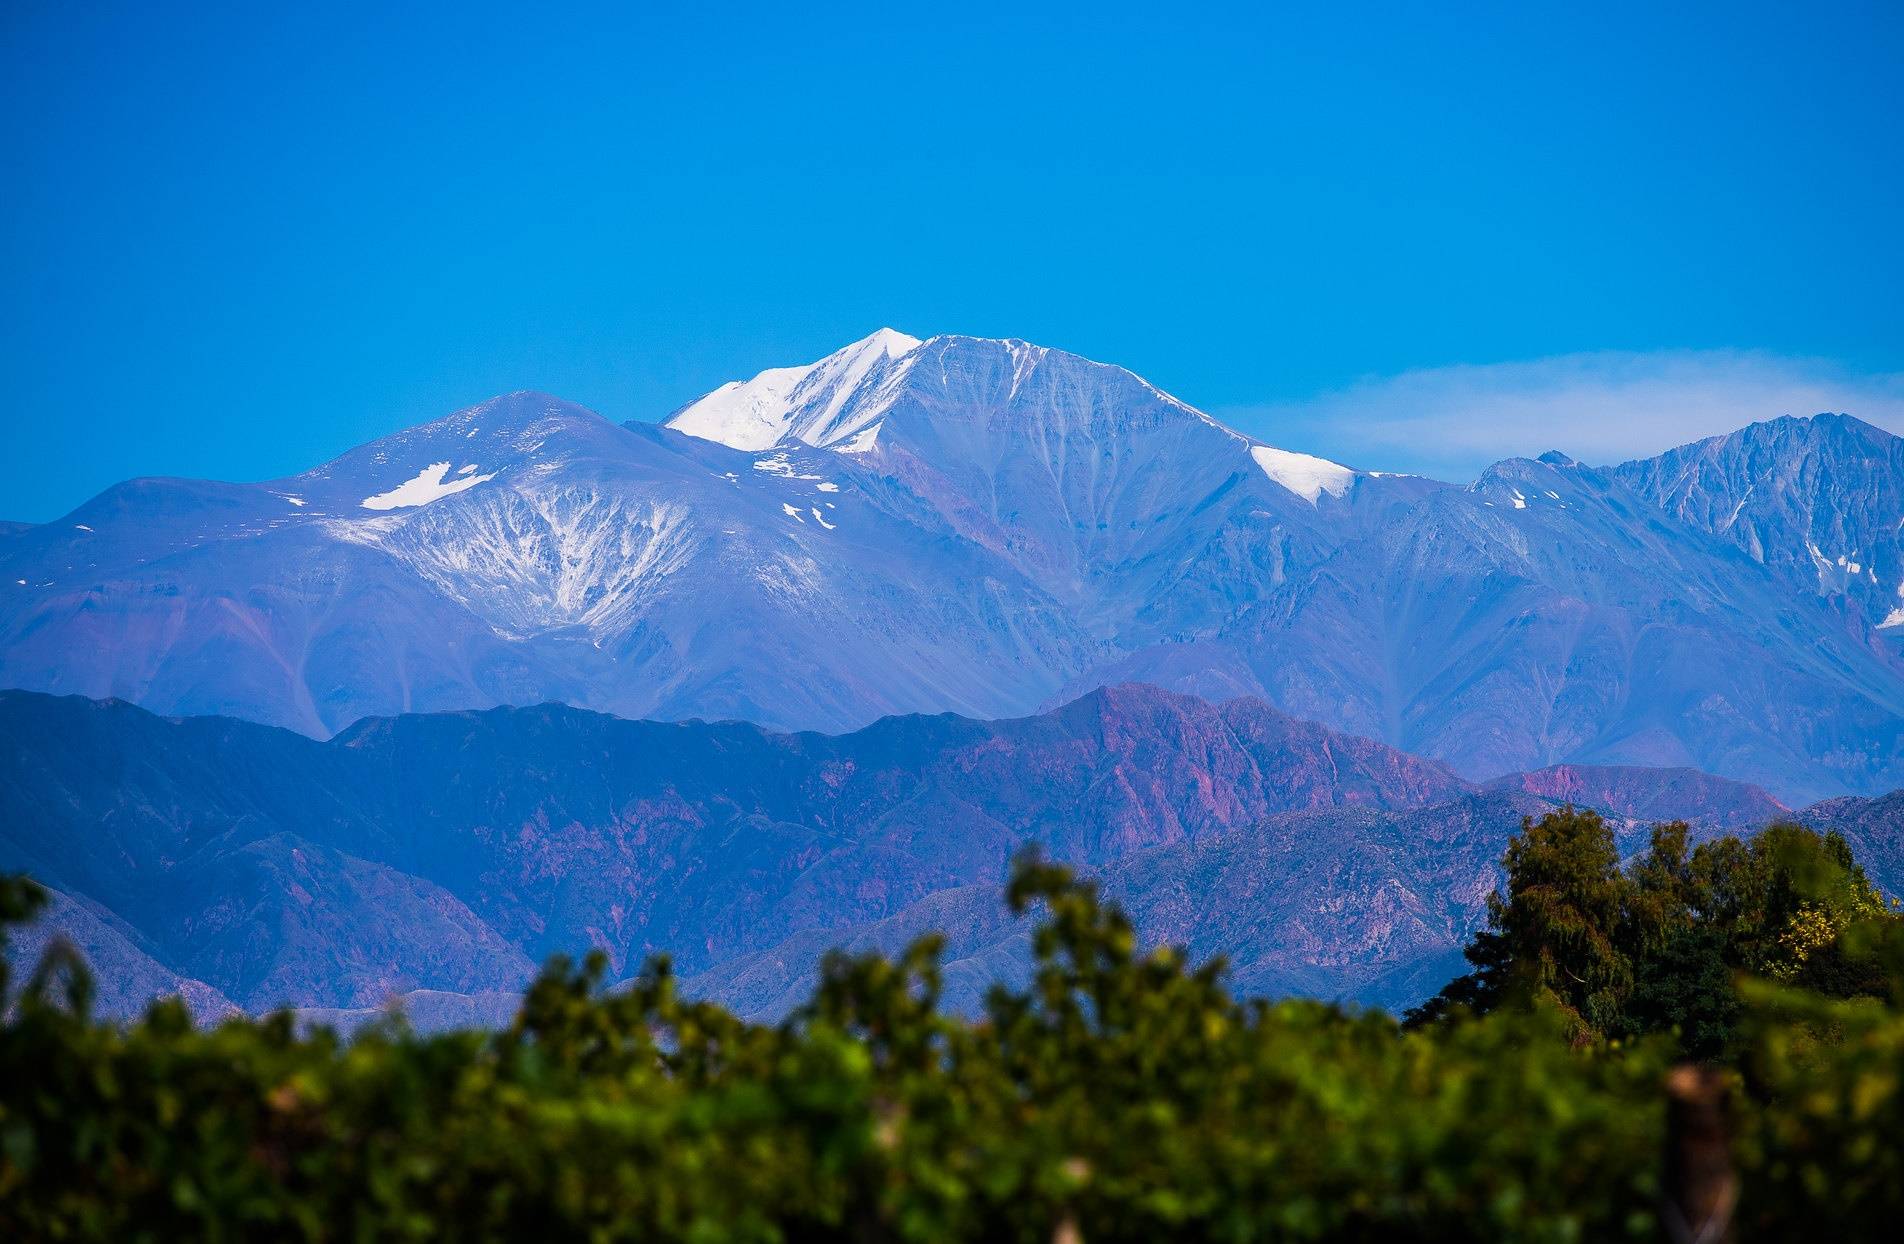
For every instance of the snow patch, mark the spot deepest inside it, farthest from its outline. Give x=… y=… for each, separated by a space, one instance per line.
x=1893 y=618
x=759 y=413
x=428 y=485
x=821 y=519
x=860 y=442
x=827 y=486
x=533 y=557
x=81 y=527
x=793 y=512
x=777 y=464
x=1303 y=474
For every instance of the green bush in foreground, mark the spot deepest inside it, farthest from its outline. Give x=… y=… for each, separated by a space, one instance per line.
x=1118 y=1096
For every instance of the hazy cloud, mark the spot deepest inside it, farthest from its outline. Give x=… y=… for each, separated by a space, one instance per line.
x=1450 y=422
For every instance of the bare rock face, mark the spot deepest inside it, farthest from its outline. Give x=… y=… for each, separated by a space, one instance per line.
x=1875 y=830
x=991 y=527
x=125 y=974
x=438 y=857
x=1816 y=501
x=1651 y=794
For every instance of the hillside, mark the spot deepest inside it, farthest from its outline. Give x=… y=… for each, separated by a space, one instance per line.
x=446 y=854
x=991 y=527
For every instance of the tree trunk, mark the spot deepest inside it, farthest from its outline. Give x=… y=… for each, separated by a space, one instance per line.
x=1701 y=1187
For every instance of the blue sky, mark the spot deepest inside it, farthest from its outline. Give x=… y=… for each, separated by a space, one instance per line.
x=235 y=242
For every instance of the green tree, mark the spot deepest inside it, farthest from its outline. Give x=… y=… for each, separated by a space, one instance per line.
x=1661 y=945
x=1555 y=935
x=1121 y=1093
x=1788 y=904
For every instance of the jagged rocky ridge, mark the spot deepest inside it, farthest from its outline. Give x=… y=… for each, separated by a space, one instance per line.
x=438 y=857
x=990 y=527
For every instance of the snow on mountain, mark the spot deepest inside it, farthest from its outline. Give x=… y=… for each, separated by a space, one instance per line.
x=840 y=402
x=823 y=403
x=632 y=569
x=1306 y=476
x=985 y=526
x=1817 y=500
x=1139 y=511
x=426 y=486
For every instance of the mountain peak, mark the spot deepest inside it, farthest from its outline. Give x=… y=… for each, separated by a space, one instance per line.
x=838 y=402
x=987 y=401
x=1800 y=434
x=1814 y=498
x=807 y=402
x=455 y=453
x=1552 y=480
x=891 y=340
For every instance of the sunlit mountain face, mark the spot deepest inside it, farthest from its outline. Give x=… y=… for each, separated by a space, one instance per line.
x=992 y=527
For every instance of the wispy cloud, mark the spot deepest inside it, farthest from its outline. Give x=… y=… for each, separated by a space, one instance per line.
x=1451 y=422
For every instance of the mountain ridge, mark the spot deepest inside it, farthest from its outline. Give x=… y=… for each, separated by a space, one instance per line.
x=1023 y=525
x=445 y=854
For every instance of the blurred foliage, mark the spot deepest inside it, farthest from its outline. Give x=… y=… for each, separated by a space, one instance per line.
x=1119 y=1095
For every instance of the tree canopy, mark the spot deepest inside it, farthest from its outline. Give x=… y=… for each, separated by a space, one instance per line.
x=1121 y=1093
x=1657 y=946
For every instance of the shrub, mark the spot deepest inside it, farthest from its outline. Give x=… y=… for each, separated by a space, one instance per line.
x=1120 y=1095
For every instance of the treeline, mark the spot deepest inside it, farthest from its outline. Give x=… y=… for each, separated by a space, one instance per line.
x=1657 y=946
x=1121 y=1094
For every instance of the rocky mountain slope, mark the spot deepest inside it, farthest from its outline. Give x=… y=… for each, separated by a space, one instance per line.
x=125 y=975
x=440 y=856
x=991 y=527
x=1651 y=795
x=1817 y=501
x=1875 y=830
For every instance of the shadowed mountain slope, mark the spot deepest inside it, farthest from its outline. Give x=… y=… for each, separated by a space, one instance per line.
x=443 y=855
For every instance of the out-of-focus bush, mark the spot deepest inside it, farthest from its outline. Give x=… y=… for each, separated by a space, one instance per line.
x=1121 y=1095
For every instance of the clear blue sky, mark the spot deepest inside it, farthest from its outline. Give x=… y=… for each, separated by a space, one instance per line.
x=235 y=241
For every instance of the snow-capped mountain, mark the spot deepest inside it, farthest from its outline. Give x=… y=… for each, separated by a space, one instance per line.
x=1141 y=513
x=520 y=551
x=834 y=403
x=982 y=526
x=1818 y=501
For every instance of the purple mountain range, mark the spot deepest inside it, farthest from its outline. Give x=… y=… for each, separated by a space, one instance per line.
x=1286 y=709
x=438 y=857
x=991 y=527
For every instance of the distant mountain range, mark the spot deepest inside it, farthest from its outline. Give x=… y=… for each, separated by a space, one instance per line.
x=1287 y=711
x=439 y=857
x=991 y=527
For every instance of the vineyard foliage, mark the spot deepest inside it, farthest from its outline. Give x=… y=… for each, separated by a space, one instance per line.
x=1122 y=1094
